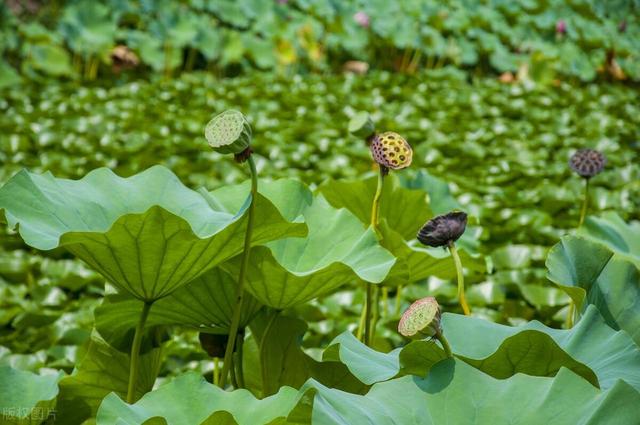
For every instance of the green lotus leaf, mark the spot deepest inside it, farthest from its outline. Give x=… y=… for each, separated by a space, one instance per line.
x=456 y=393
x=27 y=398
x=286 y=361
x=147 y=234
x=206 y=305
x=337 y=250
x=591 y=349
x=101 y=370
x=189 y=399
x=591 y=273
x=367 y=364
x=609 y=229
x=535 y=349
x=403 y=212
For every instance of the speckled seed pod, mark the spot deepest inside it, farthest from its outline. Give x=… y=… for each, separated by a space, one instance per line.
x=391 y=150
x=587 y=162
x=441 y=230
x=228 y=132
x=421 y=319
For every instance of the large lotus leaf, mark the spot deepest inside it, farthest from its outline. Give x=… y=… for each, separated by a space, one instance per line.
x=456 y=393
x=147 y=234
x=367 y=364
x=591 y=349
x=26 y=398
x=206 y=305
x=102 y=370
x=405 y=210
x=189 y=399
x=592 y=273
x=532 y=348
x=611 y=230
x=286 y=362
x=337 y=250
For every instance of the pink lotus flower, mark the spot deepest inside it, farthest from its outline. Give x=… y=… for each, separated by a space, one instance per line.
x=561 y=27
x=362 y=19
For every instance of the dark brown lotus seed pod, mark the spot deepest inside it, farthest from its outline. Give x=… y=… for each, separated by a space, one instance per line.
x=390 y=150
x=214 y=344
x=443 y=229
x=587 y=162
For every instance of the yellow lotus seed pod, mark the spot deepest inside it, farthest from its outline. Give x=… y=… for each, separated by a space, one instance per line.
x=391 y=150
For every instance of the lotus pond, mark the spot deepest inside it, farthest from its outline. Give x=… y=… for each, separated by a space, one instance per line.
x=128 y=242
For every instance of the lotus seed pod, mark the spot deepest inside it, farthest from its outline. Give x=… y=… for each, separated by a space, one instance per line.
x=229 y=132
x=391 y=150
x=213 y=344
x=587 y=162
x=421 y=319
x=443 y=229
x=361 y=125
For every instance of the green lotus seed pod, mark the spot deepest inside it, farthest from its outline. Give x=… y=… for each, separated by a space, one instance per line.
x=421 y=319
x=228 y=132
x=361 y=125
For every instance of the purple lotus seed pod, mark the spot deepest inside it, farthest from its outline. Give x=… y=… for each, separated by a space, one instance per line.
x=587 y=162
x=362 y=19
x=443 y=229
x=561 y=27
x=390 y=150
x=421 y=319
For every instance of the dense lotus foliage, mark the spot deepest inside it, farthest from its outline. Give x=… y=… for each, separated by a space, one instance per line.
x=544 y=39
x=196 y=250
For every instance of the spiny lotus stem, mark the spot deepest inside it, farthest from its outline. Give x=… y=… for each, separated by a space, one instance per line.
x=587 y=162
x=441 y=230
x=391 y=150
x=229 y=132
x=362 y=126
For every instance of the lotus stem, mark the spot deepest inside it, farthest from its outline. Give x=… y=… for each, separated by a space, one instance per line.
x=385 y=301
x=238 y=360
x=458 y=263
x=135 y=352
x=367 y=315
x=398 y=301
x=572 y=311
x=375 y=208
x=375 y=214
x=235 y=321
x=376 y=311
x=266 y=391
x=445 y=344
x=585 y=203
x=216 y=371
x=360 y=330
